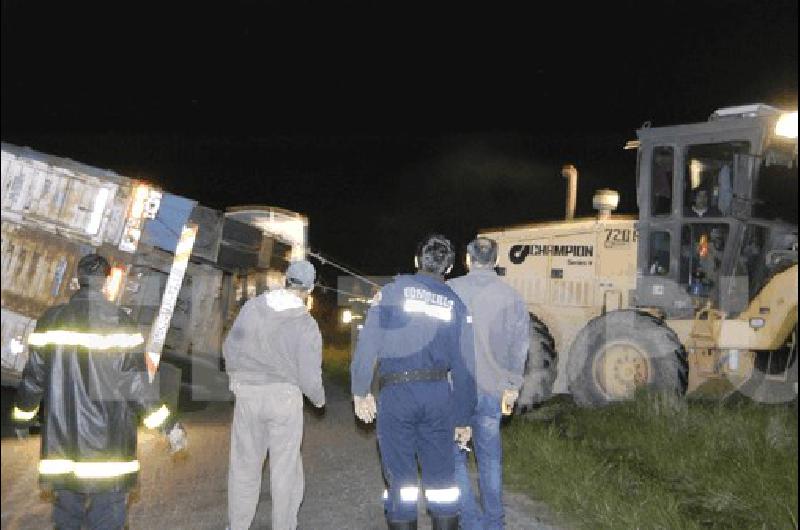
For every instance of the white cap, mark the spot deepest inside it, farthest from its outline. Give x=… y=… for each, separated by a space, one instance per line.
x=301 y=274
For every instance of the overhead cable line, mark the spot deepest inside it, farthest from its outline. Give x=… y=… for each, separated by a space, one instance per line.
x=324 y=260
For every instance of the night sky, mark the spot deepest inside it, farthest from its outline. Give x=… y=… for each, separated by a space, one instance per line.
x=382 y=124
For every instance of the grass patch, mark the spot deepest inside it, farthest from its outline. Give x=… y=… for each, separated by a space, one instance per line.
x=336 y=365
x=658 y=462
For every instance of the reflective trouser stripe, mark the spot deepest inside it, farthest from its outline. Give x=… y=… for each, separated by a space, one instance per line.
x=407 y=494
x=444 y=495
x=87 y=469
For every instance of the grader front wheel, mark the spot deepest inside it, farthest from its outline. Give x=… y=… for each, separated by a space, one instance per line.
x=621 y=351
x=620 y=368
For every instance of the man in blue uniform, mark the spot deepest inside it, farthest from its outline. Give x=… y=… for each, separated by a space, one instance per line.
x=418 y=331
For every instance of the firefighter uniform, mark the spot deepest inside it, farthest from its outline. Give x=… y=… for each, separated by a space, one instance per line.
x=86 y=365
x=417 y=331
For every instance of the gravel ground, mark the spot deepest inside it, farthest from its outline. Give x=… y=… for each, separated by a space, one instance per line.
x=343 y=478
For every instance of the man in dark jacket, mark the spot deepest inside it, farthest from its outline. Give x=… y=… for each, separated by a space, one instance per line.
x=86 y=363
x=500 y=325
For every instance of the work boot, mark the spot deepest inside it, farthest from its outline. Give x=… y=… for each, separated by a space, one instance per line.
x=445 y=522
x=404 y=525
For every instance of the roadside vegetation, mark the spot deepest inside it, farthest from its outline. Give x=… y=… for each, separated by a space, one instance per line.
x=336 y=364
x=655 y=462
x=658 y=462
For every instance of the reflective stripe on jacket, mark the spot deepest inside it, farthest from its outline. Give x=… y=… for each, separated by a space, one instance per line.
x=418 y=323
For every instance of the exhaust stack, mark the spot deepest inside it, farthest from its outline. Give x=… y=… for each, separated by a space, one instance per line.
x=570 y=172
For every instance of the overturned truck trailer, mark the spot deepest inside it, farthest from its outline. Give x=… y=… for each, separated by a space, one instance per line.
x=180 y=269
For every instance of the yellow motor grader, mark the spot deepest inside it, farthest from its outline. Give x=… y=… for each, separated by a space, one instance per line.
x=699 y=291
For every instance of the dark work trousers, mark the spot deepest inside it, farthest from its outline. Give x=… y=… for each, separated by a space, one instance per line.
x=95 y=511
x=415 y=422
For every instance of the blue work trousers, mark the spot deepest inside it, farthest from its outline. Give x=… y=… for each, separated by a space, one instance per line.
x=488 y=515
x=96 y=511
x=415 y=422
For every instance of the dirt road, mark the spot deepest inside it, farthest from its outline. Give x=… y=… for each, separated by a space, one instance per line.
x=343 y=478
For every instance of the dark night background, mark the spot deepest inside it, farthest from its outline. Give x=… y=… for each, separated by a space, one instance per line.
x=382 y=125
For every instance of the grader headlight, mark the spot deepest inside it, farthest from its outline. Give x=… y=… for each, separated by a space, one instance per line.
x=786 y=125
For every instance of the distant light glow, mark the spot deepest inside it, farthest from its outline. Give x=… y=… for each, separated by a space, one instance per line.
x=787 y=125
x=347 y=316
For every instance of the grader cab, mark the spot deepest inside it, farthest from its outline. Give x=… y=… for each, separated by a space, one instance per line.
x=699 y=292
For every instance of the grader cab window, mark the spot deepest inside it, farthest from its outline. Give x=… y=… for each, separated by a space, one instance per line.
x=659 y=253
x=662 y=171
x=708 y=181
x=750 y=262
x=702 y=250
x=776 y=192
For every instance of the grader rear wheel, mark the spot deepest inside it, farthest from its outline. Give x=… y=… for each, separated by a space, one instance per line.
x=621 y=351
x=540 y=369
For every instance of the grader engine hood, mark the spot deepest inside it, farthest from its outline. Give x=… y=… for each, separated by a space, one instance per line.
x=568 y=272
x=566 y=263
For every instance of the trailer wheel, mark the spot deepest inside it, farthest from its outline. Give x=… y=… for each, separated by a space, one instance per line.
x=540 y=368
x=774 y=377
x=621 y=351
